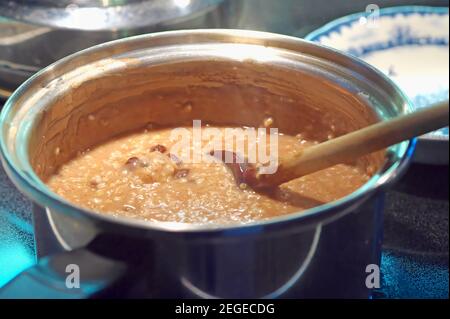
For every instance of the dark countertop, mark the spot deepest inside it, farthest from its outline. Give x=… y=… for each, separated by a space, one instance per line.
x=416 y=218
x=416 y=235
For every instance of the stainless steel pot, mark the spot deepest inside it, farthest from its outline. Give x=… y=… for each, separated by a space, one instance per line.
x=229 y=76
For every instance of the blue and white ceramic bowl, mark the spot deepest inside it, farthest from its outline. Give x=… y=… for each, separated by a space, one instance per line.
x=410 y=45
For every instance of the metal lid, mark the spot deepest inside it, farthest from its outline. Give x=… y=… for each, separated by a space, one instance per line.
x=102 y=14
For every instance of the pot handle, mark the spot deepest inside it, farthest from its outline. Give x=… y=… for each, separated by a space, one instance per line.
x=75 y=274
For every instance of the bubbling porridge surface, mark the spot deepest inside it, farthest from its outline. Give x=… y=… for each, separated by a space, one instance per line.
x=137 y=176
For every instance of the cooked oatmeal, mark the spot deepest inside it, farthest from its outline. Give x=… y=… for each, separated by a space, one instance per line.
x=138 y=176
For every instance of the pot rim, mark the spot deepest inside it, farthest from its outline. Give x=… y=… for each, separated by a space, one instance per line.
x=38 y=192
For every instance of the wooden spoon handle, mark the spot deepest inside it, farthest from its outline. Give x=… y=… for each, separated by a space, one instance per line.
x=361 y=142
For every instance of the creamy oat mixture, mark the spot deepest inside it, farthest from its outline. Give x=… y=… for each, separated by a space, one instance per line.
x=137 y=176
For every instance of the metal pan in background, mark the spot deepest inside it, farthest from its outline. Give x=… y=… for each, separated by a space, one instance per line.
x=34 y=34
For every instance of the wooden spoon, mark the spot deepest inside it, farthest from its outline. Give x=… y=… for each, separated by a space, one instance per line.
x=344 y=148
